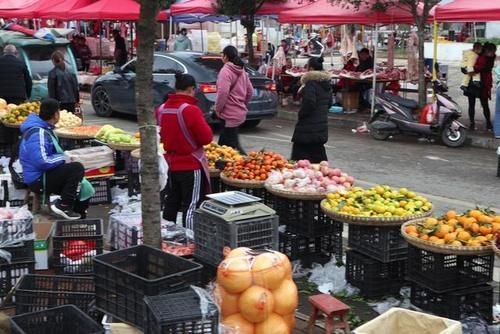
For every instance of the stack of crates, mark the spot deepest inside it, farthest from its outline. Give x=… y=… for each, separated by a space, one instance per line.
x=310 y=233
x=213 y=233
x=17 y=242
x=376 y=261
x=451 y=286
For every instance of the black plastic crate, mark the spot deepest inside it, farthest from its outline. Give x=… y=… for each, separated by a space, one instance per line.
x=455 y=304
x=383 y=243
x=299 y=247
x=217 y=185
x=302 y=217
x=20 y=251
x=123 y=278
x=212 y=234
x=59 y=320
x=102 y=189
x=39 y=292
x=10 y=274
x=73 y=144
x=180 y=313
x=15 y=229
x=76 y=242
x=374 y=278
x=441 y=272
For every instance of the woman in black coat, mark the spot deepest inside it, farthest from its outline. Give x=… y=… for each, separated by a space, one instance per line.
x=311 y=130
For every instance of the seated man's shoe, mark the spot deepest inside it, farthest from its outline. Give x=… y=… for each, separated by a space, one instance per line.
x=64 y=211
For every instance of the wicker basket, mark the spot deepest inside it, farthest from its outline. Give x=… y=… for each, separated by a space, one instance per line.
x=295 y=194
x=136 y=154
x=442 y=249
x=10 y=125
x=495 y=248
x=214 y=173
x=66 y=133
x=241 y=183
x=123 y=147
x=372 y=221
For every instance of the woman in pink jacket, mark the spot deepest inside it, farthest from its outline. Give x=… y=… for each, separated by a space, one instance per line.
x=234 y=91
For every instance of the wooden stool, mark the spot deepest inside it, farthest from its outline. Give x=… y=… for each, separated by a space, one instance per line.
x=333 y=309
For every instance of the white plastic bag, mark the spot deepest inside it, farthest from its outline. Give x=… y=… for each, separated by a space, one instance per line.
x=163 y=171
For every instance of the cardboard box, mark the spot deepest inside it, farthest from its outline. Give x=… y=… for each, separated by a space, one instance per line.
x=43 y=244
x=398 y=320
x=350 y=101
x=100 y=172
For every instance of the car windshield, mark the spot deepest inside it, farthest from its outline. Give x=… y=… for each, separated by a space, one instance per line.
x=213 y=65
x=39 y=58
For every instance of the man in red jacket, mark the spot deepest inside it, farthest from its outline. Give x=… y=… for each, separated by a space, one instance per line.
x=184 y=131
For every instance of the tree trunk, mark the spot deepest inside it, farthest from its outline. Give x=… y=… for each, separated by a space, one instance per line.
x=250 y=28
x=150 y=190
x=422 y=85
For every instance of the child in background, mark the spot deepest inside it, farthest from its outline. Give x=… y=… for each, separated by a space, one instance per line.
x=469 y=58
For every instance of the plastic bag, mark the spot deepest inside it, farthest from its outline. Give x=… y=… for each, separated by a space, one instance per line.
x=163 y=171
x=255 y=291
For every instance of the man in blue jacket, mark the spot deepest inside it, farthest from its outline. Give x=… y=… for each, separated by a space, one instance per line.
x=44 y=165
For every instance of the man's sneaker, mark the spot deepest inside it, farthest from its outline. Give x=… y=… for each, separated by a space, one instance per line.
x=64 y=211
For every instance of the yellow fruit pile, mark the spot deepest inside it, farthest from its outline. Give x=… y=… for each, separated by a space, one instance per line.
x=256 y=293
x=18 y=114
x=378 y=201
x=216 y=152
x=473 y=228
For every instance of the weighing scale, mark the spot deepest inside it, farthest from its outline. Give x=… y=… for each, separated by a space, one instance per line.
x=235 y=206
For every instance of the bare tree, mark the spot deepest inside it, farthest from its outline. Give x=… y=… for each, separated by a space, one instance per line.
x=420 y=9
x=246 y=9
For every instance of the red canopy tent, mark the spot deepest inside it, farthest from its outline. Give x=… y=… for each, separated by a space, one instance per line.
x=468 y=11
x=207 y=7
x=322 y=12
x=16 y=4
x=32 y=11
x=110 y=10
x=61 y=11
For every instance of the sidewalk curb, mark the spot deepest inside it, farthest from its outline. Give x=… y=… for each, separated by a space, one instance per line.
x=335 y=121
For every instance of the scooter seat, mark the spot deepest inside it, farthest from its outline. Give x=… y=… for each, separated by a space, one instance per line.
x=406 y=103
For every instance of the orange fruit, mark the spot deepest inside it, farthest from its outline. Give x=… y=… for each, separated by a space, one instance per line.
x=461 y=219
x=489 y=237
x=439 y=242
x=413 y=234
x=485 y=219
x=496 y=219
x=450 y=237
x=431 y=221
x=463 y=236
x=468 y=222
x=475 y=213
x=485 y=229
x=473 y=243
x=411 y=228
x=458 y=230
x=452 y=222
x=442 y=231
x=480 y=239
x=496 y=227
x=433 y=239
x=456 y=243
x=451 y=214
x=424 y=237
x=474 y=227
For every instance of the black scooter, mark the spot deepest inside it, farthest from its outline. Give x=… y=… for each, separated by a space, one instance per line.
x=396 y=115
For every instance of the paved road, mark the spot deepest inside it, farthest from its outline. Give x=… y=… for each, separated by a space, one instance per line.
x=452 y=178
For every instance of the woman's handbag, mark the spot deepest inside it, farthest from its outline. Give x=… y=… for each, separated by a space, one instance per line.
x=474 y=89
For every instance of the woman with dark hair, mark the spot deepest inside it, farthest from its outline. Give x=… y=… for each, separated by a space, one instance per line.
x=234 y=91
x=311 y=130
x=484 y=66
x=63 y=84
x=184 y=131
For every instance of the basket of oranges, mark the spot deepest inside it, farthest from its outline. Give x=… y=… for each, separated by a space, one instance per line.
x=252 y=171
x=471 y=233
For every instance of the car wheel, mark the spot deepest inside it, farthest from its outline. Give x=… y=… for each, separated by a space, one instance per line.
x=251 y=124
x=101 y=102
